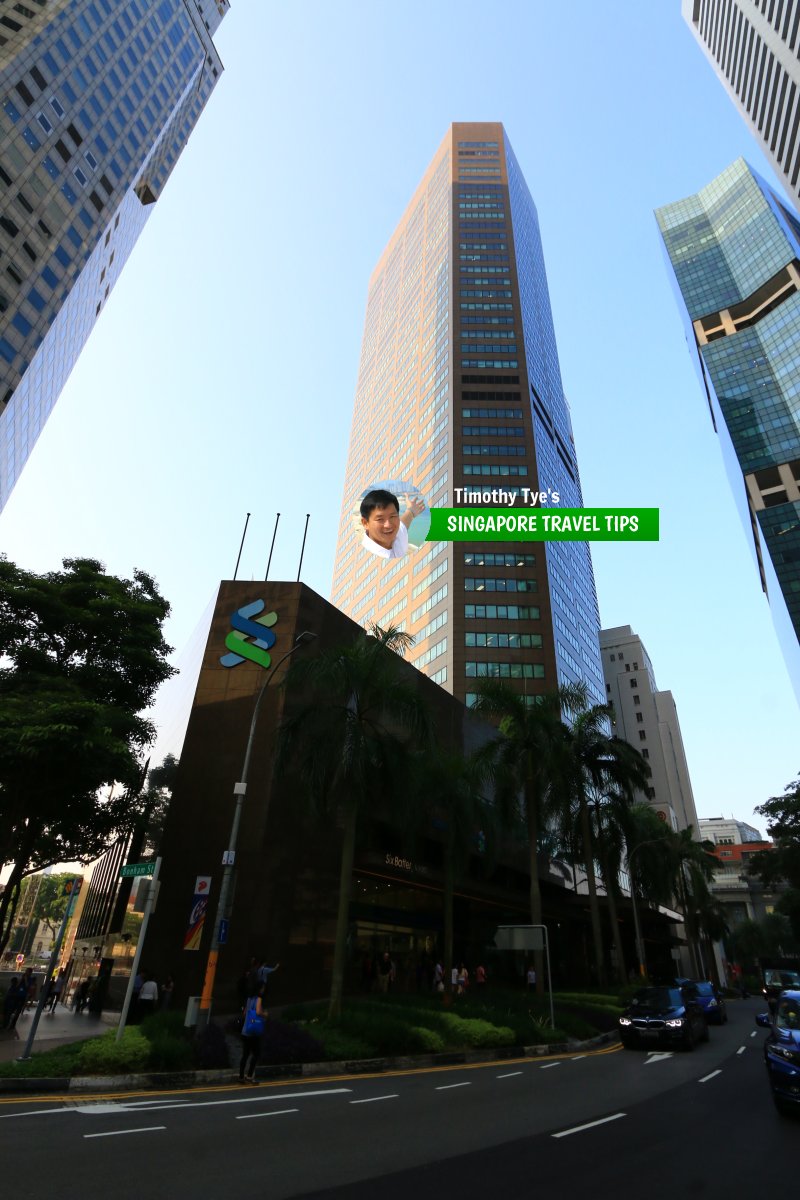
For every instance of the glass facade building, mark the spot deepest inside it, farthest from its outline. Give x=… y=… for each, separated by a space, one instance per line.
x=754 y=48
x=97 y=100
x=459 y=398
x=734 y=249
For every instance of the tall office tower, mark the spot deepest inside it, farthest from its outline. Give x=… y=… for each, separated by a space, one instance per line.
x=97 y=100
x=648 y=719
x=735 y=254
x=754 y=47
x=459 y=397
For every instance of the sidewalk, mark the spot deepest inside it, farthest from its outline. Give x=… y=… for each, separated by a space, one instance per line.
x=56 y=1029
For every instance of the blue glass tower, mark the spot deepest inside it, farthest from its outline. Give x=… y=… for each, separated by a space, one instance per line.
x=734 y=249
x=459 y=396
x=97 y=100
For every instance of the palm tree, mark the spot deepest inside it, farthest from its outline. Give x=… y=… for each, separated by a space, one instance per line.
x=693 y=866
x=527 y=765
x=449 y=788
x=349 y=741
x=603 y=767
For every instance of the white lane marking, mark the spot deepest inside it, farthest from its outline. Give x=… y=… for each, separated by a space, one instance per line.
x=446 y=1087
x=706 y=1078
x=753 y=1034
x=510 y=1075
x=741 y=1050
x=278 y=1112
x=40 y=1112
x=372 y=1099
x=653 y=1057
x=161 y=1105
x=576 y=1057
x=547 y=1066
x=589 y=1125
x=120 y=1132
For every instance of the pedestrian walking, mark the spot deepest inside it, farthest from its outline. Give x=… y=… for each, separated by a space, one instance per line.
x=531 y=978
x=82 y=995
x=56 y=988
x=438 y=976
x=480 y=977
x=253 y=1025
x=264 y=972
x=385 y=973
x=462 y=980
x=11 y=1003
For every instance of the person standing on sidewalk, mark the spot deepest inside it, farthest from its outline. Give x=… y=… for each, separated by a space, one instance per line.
x=148 y=997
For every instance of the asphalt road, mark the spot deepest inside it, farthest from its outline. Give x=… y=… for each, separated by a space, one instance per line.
x=659 y=1124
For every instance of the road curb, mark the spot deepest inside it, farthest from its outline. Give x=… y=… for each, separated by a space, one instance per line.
x=161 y=1080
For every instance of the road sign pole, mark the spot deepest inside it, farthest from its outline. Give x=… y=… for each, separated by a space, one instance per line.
x=76 y=882
x=135 y=964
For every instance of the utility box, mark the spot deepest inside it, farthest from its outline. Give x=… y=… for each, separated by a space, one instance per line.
x=192 y=1011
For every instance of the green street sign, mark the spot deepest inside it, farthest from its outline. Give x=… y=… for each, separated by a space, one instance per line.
x=133 y=869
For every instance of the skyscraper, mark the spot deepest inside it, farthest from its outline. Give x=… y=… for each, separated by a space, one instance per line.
x=753 y=45
x=97 y=100
x=459 y=393
x=735 y=253
x=648 y=719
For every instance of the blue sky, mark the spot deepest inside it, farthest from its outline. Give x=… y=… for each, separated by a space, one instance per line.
x=220 y=377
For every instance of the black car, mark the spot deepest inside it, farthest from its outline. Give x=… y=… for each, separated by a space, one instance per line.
x=663 y=1016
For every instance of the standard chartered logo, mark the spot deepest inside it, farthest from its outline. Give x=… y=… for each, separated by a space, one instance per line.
x=251 y=636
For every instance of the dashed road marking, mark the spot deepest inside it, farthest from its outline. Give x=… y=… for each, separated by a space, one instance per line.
x=510 y=1075
x=372 y=1099
x=277 y=1112
x=706 y=1078
x=588 y=1125
x=447 y=1086
x=741 y=1050
x=120 y=1132
x=547 y=1066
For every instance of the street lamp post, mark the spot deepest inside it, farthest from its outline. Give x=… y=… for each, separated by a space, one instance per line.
x=228 y=858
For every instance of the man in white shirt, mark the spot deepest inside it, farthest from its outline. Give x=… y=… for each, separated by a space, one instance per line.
x=385 y=531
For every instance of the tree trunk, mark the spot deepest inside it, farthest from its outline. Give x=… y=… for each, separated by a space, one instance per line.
x=609 y=879
x=343 y=913
x=23 y=855
x=531 y=813
x=594 y=907
x=447 y=897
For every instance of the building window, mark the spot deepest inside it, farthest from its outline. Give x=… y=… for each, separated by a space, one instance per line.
x=636 y=666
x=639 y=719
x=645 y=753
x=634 y=683
x=642 y=736
x=613 y=658
x=627 y=665
x=636 y=699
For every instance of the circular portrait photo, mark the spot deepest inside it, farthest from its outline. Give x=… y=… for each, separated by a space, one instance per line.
x=392 y=518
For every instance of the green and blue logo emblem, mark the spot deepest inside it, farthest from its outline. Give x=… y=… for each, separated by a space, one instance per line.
x=251 y=636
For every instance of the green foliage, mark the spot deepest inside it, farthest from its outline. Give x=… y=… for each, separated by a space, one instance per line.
x=83 y=655
x=105 y=1056
x=783 y=826
x=341 y=1046
x=51 y=1064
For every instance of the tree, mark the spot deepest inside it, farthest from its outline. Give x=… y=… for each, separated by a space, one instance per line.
x=527 y=764
x=450 y=787
x=349 y=741
x=782 y=863
x=601 y=766
x=82 y=655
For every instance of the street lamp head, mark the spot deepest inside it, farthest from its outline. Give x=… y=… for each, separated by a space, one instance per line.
x=305 y=636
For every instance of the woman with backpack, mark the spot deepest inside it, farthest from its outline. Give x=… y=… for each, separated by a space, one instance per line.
x=254 y=1018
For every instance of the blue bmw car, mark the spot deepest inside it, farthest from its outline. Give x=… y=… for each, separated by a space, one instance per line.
x=782 y=1051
